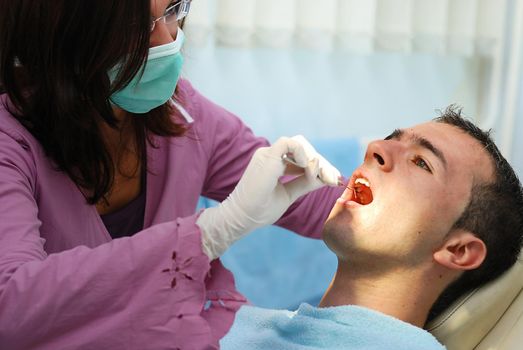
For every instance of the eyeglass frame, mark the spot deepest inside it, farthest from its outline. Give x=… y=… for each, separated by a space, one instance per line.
x=183 y=10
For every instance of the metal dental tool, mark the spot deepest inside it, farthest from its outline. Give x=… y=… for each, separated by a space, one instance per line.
x=288 y=158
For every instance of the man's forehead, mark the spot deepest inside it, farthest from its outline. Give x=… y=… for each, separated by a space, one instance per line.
x=441 y=134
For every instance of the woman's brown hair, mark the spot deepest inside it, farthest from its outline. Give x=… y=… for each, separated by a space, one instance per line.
x=54 y=59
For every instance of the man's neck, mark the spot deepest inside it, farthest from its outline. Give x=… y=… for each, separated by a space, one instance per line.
x=404 y=294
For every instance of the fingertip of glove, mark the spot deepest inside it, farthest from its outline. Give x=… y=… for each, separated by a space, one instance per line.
x=330 y=177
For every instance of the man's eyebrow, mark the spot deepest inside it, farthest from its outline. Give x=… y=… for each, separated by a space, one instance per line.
x=423 y=142
x=419 y=141
x=396 y=135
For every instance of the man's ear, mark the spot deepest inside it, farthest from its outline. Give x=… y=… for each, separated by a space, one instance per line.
x=461 y=251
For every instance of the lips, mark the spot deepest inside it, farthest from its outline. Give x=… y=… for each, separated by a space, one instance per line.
x=362 y=192
x=359 y=190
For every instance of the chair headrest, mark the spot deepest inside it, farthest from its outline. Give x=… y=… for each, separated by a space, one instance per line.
x=468 y=320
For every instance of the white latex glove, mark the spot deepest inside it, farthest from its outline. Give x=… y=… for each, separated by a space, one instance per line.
x=260 y=198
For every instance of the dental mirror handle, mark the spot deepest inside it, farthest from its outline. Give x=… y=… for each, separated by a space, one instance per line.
x=289 y=159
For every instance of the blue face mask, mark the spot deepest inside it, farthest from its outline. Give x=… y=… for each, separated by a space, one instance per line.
x=157 y=83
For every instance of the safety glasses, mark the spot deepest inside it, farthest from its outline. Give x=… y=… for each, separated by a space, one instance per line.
x=174 y=13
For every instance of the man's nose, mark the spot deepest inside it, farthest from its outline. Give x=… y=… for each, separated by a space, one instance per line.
x=380 y=154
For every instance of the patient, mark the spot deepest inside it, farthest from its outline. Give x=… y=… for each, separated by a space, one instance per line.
x=434 y=211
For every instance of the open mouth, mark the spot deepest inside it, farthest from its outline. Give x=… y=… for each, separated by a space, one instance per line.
x=361 y=191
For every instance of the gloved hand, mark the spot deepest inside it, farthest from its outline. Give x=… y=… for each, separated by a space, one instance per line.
x=260 y=198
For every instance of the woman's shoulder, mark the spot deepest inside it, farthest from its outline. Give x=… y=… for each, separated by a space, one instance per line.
x=19 y=151
x=207 y=116
x=185 y=88
x=11 y=128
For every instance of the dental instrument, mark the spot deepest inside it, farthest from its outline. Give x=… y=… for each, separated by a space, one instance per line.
x=289 y=159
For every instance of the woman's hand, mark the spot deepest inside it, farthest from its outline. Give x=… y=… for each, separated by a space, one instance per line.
x=261 y=197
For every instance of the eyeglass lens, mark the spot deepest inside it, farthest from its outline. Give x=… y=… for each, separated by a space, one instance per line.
x=175 y=12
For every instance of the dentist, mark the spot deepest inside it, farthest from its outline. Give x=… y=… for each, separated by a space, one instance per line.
x=104 y=153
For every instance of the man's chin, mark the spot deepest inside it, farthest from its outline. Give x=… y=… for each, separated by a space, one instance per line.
x=337 y=233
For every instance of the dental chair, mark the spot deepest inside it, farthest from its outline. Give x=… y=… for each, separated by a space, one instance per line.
x=488 y=318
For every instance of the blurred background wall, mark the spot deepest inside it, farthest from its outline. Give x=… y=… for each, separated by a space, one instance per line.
x=343 y=72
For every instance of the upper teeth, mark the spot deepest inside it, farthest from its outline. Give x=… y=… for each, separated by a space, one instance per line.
x=362 y=182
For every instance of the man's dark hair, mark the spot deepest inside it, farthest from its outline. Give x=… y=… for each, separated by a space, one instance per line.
x=494 y=214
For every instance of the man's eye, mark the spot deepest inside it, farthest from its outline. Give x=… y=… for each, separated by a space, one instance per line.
x=422 y=163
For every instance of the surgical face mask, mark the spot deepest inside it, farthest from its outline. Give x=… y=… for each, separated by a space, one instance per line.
x=156 y=84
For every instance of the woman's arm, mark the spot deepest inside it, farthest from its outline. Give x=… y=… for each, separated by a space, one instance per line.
x=146 y=291
x=233 y=144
